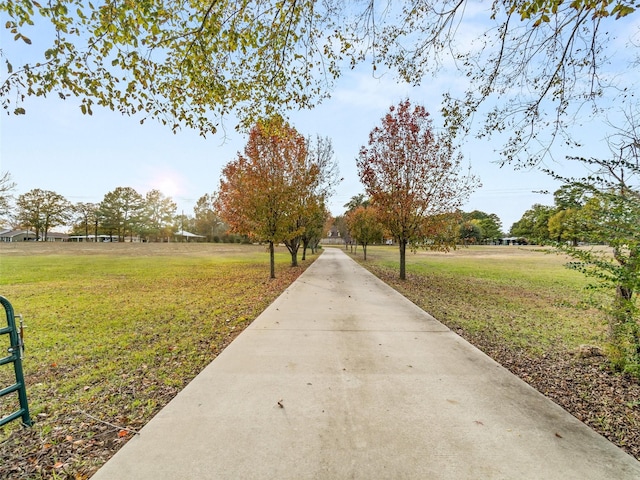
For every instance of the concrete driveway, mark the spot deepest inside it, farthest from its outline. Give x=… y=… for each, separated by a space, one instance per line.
x=343 y=378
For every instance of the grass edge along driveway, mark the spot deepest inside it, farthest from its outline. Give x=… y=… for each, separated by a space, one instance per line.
x=524 y=309
x=114 y=331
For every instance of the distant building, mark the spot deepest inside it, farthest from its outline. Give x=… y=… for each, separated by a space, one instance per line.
x=92 y=238
x=28 y=235
x=512 y=241
x=16 y=235
x=184 y=236
x=57 y=237
x=333 y=237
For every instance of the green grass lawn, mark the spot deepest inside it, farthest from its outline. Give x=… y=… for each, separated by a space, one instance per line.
x=115 y=330
x=519 y=295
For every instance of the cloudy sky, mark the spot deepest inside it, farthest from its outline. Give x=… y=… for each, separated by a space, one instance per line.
x=55 y=147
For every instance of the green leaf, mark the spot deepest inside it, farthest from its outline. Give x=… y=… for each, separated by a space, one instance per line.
x=19 y=111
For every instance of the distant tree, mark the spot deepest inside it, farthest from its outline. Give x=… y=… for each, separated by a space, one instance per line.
x=359 y=200
x=470 y=232
x=570 y=196
x=315 y=179
x=364 y=226
x=207 y=222
x=322 y=168
x=565 y=225
x=6 y=188
x=42 y=210
x=340 y=224
x=184 y=223
x=120 y=211
x=412 y=176
x=314 y=223
x=534 y=224
x=86 y=218
x=260 y=191
x=489 y=224
x=157 y=215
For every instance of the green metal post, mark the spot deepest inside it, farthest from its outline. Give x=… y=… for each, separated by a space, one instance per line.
x=15 y=356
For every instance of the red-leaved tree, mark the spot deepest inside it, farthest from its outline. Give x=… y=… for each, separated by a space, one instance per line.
x=414 y=178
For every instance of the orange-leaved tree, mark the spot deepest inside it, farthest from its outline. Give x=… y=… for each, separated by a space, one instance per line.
x=260 y=191
x=364 y=226
x=414 y=178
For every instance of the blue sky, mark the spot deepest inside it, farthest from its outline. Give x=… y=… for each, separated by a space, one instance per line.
x=55 y=147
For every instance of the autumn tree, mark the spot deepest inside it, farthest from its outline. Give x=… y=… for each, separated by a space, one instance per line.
x=364 y=226
x=259 y=193
x=414 y=178
x=315 y=178
x=314 y=221
x=42 y=210
x=193 y=63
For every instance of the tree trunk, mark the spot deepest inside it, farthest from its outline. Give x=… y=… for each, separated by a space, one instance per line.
x=272 y=260
x=293 y=246
x=364 y=249
x=403 y=257
x=305 y=245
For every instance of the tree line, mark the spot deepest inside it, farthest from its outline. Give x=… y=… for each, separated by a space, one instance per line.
x=360 y=226
x=123 y=213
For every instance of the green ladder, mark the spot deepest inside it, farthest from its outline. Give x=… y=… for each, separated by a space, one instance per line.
x=16 y=348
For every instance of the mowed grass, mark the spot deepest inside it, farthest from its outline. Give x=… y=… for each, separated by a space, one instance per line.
x=115 y=330
x=519 y=296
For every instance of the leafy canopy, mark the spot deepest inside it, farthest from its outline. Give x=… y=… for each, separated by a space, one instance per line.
x=191 y=62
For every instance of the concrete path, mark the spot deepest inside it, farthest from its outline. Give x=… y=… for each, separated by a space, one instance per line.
x=343 y=378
